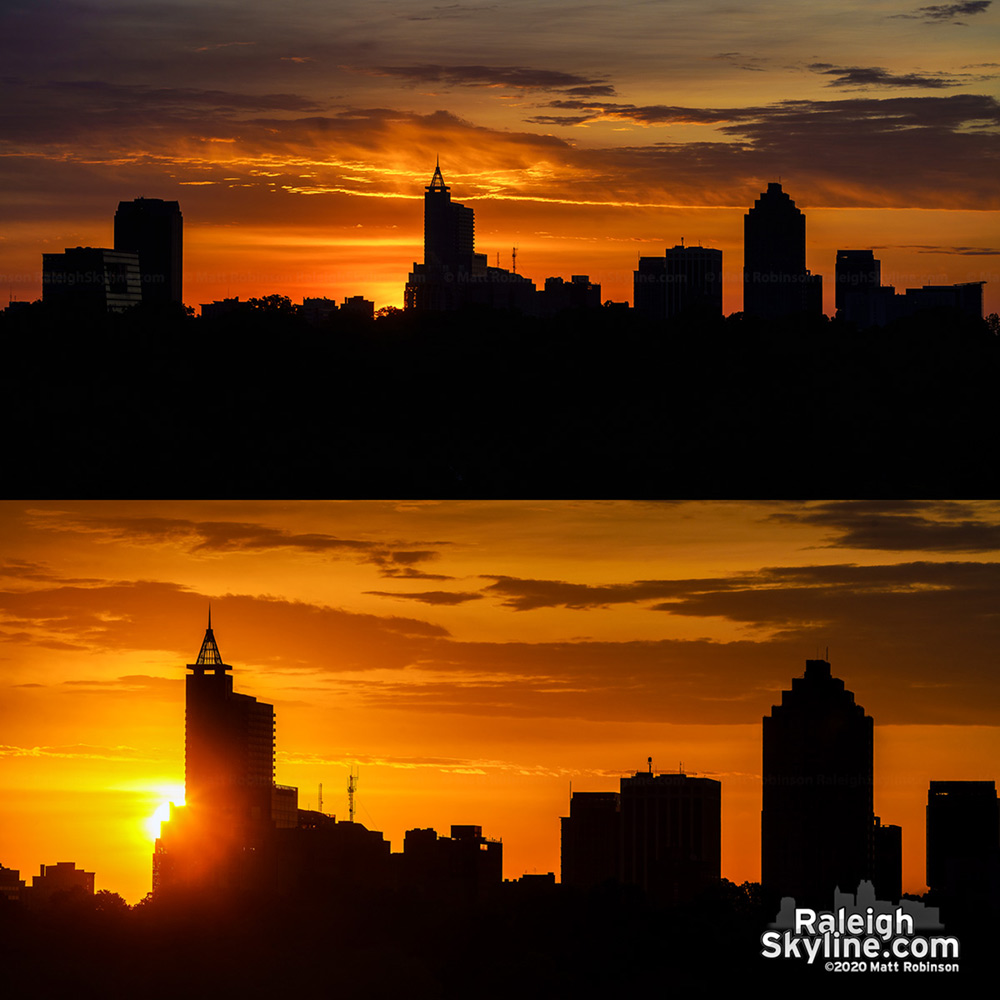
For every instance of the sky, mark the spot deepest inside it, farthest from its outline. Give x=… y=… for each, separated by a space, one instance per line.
x=476 y=661
x=298 y=138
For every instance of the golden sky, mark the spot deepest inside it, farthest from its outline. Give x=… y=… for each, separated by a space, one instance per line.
x=476 y=659
x=298 y=138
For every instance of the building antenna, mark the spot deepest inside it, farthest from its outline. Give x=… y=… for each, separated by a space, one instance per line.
x=649 y=762
x=513 y=260
x=498 y=258
x=320 y=809
x=352 y=787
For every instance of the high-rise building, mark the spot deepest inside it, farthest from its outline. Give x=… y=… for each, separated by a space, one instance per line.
x=591 y=839
x=91 y=280
x=686 y=281
x=671 y=834
x=963 y=836
x=153 y=229
x=858 y=271
x=817 y=820
x=222 y=835
x=229 y=742
x=660 y=832
x=775 y=280
x=449 y=228
x=452 y=274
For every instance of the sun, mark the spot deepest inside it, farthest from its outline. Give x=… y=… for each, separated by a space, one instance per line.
x=166 y=795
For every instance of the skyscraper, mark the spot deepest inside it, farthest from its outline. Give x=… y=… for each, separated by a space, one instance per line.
x=223 y=835
x=963 y=837
x=229 y=742
x=686 y=281
x=660 y=832
x=817 y=821
x=449 y=228
x=153 y=229
x=453 y=274
x=671 y=834
x=775 y=280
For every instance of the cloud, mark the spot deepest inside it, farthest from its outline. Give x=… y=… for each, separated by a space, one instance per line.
x=917 y=526
x=860 y=77
x=902 y=631
x=125 y=98
x=444 y=597
x=948 y=12
x=514 y=77
x=528 y=595
x=239 y=536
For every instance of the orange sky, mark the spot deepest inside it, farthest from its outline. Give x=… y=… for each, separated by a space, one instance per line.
x=475 y=659
x=298 y=141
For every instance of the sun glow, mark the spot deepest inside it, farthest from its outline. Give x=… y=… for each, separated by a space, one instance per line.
x=167 y=795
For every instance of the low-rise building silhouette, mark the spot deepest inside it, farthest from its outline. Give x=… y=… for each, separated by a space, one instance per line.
x=61 y=877
x=91 y=280
x=864 y=302
x=577 y=293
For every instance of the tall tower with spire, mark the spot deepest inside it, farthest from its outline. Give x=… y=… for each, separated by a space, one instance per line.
x=229 y=742
x=449 y=228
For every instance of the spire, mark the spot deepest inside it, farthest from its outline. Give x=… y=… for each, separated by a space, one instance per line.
x=209 y=655
x=437 y=181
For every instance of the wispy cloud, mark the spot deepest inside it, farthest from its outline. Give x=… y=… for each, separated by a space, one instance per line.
x=514 y=77
x=864 y=77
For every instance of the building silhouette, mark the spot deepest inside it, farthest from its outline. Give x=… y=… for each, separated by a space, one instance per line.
x=464 y=867
x=91 y=280
x=61 y=877
x=686 y=281
x=577 y=293
x=671 y=834
x=963 y=842
x=154 y=229
x=817 y=820
x=659 y=832
x=590 y=842
x=865 y=302
x=858 y=273
x=240 y=830
x=223 y=835
x=452 y=274
x=887 y=866
x=776 y=282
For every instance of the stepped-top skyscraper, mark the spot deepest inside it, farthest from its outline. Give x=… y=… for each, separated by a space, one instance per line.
x=153 y=229
x=775 y=280
x=817 y=821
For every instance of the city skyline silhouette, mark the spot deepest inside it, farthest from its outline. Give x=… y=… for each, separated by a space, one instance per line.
x=298 y=149
x=451 y=749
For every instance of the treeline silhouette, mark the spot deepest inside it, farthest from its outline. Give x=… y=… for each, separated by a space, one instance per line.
x=384 y=943
x=474 y=403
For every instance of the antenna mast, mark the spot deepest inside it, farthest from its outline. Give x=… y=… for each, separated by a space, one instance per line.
x=320 y=809
x=352 y=787
x=513 y=259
